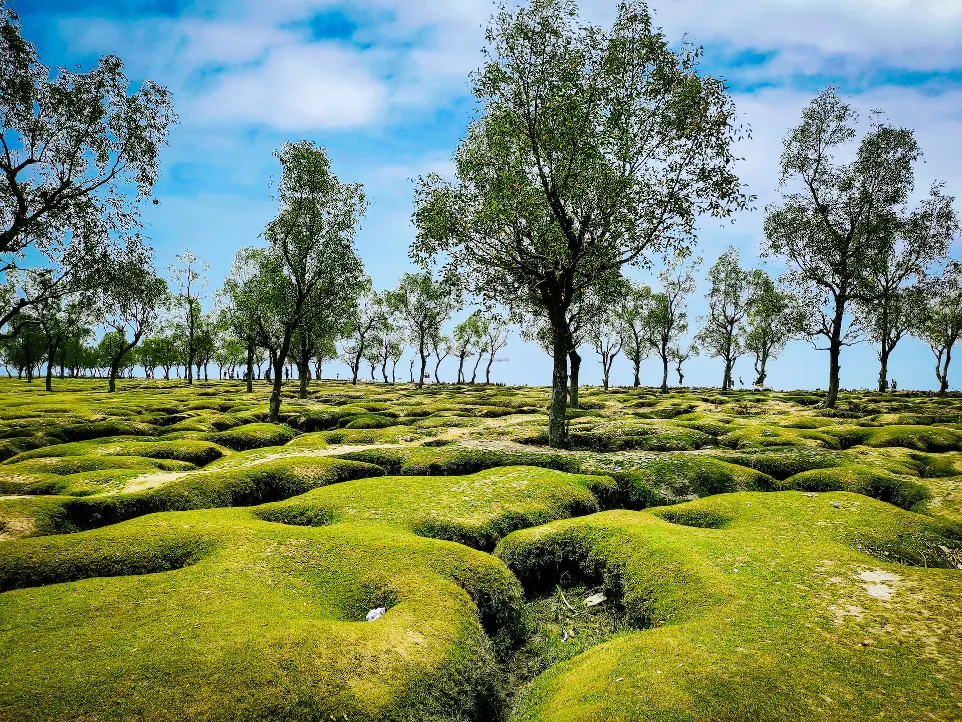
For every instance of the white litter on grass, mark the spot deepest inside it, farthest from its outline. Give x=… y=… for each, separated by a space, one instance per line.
x=595 y=599
x=375 y=614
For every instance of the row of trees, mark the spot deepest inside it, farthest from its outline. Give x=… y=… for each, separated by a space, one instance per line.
x=596 y=149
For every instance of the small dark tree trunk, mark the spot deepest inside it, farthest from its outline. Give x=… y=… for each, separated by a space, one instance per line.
x=436 y=367
x=424 y=361
x=250 y=369
x=883 y=381
x=356 y=368
x=112 y=380
x=474 y=373
x=277 y=381
x=303 y=377
x=636 y=361
x=834 y=354
x=487 y=371
x=944 y=375
x=664 y=373
x=461 y=357
x=48 y=381
x=557 y=411
x=760 y=362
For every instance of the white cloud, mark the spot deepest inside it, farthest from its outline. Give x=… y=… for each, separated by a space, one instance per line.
x=298 y=87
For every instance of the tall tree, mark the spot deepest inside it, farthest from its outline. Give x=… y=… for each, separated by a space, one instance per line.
x=633 y=313
x=311 y=254
x=607 y=340
x=59 y=320
x=496 y=334
x=774 y=318
x=894 y=283
x=425 y=304
x=188 y=274
x=667 y=318
x=940 y=325
x=837 y=218
x=78 y=152
x=722 y=333
x=241 y=302
x=467 y=337
x=679 y=354
x=131 y=306
x=594 y=148
x=363 y=325
x=441 y=348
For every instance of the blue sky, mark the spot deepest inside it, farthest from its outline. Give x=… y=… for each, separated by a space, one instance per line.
x=383 y=84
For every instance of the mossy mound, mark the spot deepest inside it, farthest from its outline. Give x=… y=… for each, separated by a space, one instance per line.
x=242 y=486
x=249 y=620
x=253 y=436
x=450 y=460
x=475 y=510
x=783 y=595
x=199 y=453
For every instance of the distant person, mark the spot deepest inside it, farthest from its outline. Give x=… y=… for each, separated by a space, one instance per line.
x=894 y=385
x=740 y=382
x=267 y=376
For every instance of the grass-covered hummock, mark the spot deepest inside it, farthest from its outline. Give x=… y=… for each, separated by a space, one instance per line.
x=758 y=606
x=218 y=567
x=216 y=615
x=476 y=510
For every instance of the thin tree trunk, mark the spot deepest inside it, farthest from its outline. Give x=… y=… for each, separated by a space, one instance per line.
x=48 y=381
x=424 y=362
x=883 y=382
x=637 y=364
x=944 y=381
x=557 y=411
x=474 y=374
x=834 y=354
x=250 y=369
x=664 y=374
x=487 y=371
x=461 y=358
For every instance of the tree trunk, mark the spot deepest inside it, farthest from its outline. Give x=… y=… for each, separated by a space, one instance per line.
x=834 y=354
x=944 y=381
x=436 y=367
x=48 y=381
x=277 y=381
x=883 y=381
x=727 y=381
x=424 y=363
x=303 y=377
x=474 y=374
x=250 y=369
x=637 y=364
x=112 y=381
x=664 y=374
x=356 y=368
x=760 y=362
x=557 y=411
x=487 y=371
x=461 y=358
x=575 y=359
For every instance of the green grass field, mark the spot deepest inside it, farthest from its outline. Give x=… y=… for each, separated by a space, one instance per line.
x=167 y=554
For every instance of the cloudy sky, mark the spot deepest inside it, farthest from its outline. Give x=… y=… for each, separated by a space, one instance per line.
x=383 y=84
